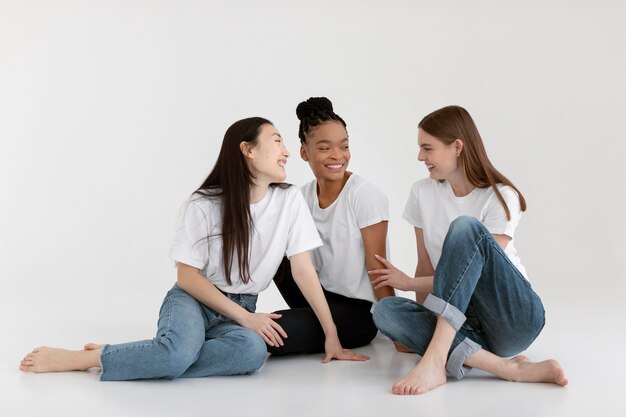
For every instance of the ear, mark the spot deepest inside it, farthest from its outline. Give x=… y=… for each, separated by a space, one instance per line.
x=304 y=153
x=245 y=148
x=458 y=147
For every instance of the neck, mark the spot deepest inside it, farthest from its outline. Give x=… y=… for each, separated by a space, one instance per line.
x=328 y=191
x=257 y=192
x=460 y=185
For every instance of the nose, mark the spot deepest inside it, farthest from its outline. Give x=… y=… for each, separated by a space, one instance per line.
x=420 y=155
x=336 y=153
x=286 y=151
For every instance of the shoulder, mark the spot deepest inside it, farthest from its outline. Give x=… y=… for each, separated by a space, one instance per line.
x=309 y=189
x=286 y=194
x=508 y=194
x=427 y=185
x=203 y=202
x=360 y=188
x=510 y=197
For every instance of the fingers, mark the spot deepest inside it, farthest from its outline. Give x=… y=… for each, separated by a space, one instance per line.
x=348 y=355
x=272 y=335
x=279 y=328
x=379 y=272
x=345 y=355
x=383 y=283
x=384 y=261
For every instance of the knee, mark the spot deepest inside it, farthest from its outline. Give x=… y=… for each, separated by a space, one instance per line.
x=384 y=313
x=465 y=225
x=174 y=358
x=253 y=351
x=174 y=364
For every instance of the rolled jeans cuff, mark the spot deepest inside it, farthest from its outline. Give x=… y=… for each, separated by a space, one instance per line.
x=446 y=310
x=462 y=351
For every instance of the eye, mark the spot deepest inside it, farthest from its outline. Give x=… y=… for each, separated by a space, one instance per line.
x=323 y=149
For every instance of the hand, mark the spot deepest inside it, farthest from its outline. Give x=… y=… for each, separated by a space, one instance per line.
x=264 y=325
x=390 y=276
x=335 y=351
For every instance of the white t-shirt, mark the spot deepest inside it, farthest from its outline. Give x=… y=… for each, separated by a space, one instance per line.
x=432 y=206
x=282 y=226
x=340 y=263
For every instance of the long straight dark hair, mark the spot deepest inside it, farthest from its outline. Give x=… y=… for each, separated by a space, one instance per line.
x=454 y=122
x=231 y=181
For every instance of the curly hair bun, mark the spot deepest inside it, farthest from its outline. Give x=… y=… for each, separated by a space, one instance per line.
x=313 y=106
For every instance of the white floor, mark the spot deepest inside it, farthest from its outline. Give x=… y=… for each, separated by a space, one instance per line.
x=584 y=331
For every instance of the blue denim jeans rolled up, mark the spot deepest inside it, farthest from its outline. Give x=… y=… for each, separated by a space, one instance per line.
x=192 y=340
x=478 y=291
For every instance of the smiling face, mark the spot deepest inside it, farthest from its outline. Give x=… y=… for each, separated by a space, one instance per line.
x=441 y=159
x=327 y=151
x=267 y=157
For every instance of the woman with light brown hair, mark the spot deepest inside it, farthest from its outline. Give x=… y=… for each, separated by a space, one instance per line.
x=475 y=304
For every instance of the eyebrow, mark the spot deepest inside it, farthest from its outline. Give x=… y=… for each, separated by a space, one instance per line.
x=277 y=134
x=325 y=141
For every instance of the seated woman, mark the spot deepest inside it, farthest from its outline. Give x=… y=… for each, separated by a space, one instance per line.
x=207 y=324
x=476 y=302
x=351 y=216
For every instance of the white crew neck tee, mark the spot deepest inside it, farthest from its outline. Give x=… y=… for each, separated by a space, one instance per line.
x=432 y=206
x=282 y=226
x=340 y=263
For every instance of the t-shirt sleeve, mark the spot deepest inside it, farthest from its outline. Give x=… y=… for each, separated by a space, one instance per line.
x=190 y=244
x=303 y=235
x=495 y=216
x=412 y=212
x=370 y=205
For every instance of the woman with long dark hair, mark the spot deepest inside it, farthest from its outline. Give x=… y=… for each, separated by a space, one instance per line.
x=351 y=216
x=234 y=233
x=475 y=302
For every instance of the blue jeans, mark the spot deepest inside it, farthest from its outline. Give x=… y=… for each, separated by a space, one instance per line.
x=192 y=341
x=478 y=291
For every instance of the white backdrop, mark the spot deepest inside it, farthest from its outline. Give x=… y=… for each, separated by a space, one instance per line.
x=112 y=112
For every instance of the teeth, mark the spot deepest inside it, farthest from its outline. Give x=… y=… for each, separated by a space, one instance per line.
x=334 y=166
x=282 y=163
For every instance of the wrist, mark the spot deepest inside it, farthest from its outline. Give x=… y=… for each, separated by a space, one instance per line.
x=330 y=331
x=242 y=316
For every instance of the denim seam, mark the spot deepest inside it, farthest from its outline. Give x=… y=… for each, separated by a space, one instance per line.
x=504 y=256
x=462 y=276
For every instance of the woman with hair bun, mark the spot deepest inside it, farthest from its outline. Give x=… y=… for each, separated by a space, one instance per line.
x=475 y=303
x=236 y=229
x=351 y=216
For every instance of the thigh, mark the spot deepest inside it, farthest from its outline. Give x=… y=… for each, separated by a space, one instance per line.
x=305 y=334
x=181 y=319
x=230 y=349
x=353 y=318
x=507 y=310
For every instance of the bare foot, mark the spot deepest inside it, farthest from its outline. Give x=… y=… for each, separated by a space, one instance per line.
x=521 y=369
x=425 y=376
x=46 y=359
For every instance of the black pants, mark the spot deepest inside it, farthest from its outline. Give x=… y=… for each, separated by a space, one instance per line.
x=352 y=317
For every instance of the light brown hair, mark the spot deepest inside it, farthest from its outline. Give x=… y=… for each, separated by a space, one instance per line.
x=454 y=122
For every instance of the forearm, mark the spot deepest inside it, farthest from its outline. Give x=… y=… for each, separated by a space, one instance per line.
x=422 y=283
x=206 y=293
x=306 y=278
